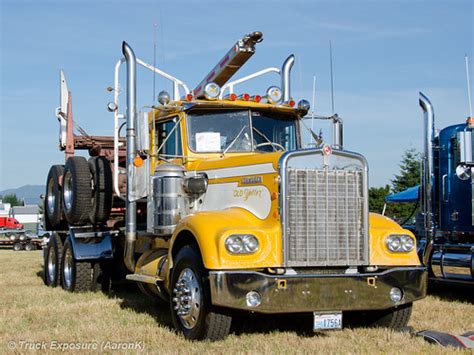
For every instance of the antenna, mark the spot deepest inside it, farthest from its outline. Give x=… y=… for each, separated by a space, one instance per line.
x=332 y=77
x=155 y=25
x=468 y=85
x=313 y=103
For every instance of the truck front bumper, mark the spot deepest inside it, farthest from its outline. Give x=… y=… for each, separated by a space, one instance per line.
x=317 y=292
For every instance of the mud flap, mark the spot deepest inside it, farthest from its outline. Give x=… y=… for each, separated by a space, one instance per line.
x=98 y=248
x=465 y=341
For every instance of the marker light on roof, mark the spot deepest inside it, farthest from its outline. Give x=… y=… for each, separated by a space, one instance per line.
x=256 y=98
x=291 y=103
x=244 y=97
x=212 y=91
x=231 y=97
x=189 y=97
x=273 y=94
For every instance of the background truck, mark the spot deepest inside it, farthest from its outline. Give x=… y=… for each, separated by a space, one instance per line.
x=10 y=223
x=210 y=203
x=447 y=199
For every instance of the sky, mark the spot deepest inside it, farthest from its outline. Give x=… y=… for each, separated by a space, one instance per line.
x=384 y=53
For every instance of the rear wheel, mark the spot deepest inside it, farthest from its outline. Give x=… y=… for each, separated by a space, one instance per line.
x=191 y=308
x=52 y=201
x=77 y=193
x=17 y=247
x=52 y=260
x=101 y=190
x=30 y=247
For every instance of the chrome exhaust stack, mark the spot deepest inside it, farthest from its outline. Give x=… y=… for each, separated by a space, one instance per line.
x=337 y=132
x=131 y=206
x=285 y=78
x=428 y=173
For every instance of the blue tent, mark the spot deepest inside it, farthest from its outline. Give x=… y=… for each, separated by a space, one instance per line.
x=409 y=195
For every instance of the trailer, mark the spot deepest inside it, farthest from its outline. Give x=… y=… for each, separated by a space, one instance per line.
x=209 y=202
x=19 y=240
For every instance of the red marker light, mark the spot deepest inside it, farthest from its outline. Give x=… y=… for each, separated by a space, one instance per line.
x=257 y=98
x=245 y=97
x=231 y=97
x=291 y=103
x=189 y=97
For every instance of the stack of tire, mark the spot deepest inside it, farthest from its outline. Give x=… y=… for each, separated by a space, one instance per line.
x=78 y=193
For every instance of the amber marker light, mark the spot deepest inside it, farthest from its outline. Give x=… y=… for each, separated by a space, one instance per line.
x=189 y=97
x=138 y=161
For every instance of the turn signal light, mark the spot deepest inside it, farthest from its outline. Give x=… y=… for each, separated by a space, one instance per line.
x=138 y=161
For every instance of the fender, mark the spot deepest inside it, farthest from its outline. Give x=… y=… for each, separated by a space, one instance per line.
x=95 y=248
x=211 y=228
x=381 y=227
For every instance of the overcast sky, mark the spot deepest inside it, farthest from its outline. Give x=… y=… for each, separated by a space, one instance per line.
x=384 y=53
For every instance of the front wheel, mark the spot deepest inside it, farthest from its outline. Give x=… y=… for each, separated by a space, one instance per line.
x=394 y=318
x=191 y=308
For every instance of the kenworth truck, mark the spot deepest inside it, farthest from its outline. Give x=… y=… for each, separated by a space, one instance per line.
x=209 y=202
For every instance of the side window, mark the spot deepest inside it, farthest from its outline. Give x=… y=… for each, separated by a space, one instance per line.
x=170 y=137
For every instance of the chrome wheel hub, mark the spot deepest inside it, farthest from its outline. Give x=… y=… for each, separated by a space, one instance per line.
x=187 y=298
x=68 y=260
x=52 y=264
x=50 y=197
x=67 y=191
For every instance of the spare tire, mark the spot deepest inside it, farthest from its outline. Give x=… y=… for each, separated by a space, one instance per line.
x=53 y=216
x=101 y=190
x=77 y=193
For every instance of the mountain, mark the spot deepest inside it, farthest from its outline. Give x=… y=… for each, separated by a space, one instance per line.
x=29 y=193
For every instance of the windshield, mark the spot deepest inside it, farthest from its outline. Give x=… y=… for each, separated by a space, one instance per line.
x=233 y=131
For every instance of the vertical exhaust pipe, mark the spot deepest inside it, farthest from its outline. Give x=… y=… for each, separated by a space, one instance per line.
x=428 y=173
x=131 y=206
x=285 y=77
x=337 y=132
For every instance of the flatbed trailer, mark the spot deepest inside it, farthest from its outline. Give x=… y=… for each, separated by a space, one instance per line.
x=19 y=240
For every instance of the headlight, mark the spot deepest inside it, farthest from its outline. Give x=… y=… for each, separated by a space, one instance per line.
x=400 y=243
x=241 y=244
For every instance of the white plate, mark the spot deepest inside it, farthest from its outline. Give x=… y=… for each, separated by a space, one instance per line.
x=327 y=320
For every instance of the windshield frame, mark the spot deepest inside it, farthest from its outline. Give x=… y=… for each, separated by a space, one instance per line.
x=294 y=118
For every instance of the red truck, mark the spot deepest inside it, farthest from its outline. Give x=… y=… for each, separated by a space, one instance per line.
x=10 y=223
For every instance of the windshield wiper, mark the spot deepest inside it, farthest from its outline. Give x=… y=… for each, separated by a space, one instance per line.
x=234 y=140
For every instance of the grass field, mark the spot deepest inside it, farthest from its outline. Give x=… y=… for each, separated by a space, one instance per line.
x=34 y=315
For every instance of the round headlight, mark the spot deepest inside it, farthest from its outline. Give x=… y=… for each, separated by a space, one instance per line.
x=407 y=242
x=396 y=294
x=241 y=244
x=393 y=243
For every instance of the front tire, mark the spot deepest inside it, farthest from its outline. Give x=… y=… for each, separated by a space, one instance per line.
x=394 y=318
x=191 y=308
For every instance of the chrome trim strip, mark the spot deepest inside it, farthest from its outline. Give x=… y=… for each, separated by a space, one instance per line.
x=256 y=169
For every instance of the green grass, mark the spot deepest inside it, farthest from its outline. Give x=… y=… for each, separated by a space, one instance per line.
x=33 y=312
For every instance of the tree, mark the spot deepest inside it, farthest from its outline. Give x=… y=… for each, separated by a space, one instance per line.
x=12 y=200
x=409 y=176
x=410 y=170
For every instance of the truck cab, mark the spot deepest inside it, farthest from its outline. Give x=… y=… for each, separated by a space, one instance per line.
x=217 y=208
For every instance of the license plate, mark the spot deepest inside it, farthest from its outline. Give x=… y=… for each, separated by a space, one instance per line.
x=325 y=321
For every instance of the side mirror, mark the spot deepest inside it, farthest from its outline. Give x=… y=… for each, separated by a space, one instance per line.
x=143 y=133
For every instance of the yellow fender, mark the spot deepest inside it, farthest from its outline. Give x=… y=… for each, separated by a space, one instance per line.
x=210 y=230
x=380 y=228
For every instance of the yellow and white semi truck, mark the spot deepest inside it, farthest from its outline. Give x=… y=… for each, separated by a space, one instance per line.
x=209 y=201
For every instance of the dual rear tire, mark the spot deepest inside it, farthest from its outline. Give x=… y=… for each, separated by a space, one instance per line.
x=84 y=194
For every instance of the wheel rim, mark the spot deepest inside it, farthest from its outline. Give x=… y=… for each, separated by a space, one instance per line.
x=187 y=298
x=52 y=264
x=68 y=261
x=67 y=190
x=50 y=197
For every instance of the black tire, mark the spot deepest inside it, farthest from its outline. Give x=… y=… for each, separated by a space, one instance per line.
x=394 y=318
x=210 y=324
x=52 y=260
x=101 y=278
x=53 y=216
x=75 y=276
x=76 y=191
x=30 y=247
x=17 y=247
x=101 y=190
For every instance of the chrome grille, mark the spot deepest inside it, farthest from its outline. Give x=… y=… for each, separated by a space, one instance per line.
x=325 y=217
